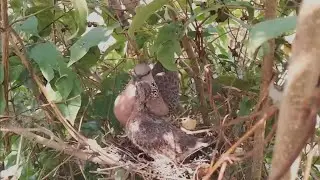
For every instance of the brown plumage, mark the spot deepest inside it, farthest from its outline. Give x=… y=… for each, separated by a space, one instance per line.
x=155 y=136
x=168 y=85
x=166 y=81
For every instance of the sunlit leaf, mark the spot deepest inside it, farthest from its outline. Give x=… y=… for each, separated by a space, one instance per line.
x=269 y=29
x=54 y=96
x=81 y=9
x=90 y=39
x=143 y=12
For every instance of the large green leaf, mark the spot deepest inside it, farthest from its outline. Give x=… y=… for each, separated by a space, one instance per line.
x=71 y=108
x=166 y=52
x=143 y=12
x=44 y=16
x=269 y=29
x=90 y=39
x=167 y=44
x=81 y=9
x=90 y=59
x=29 y=26
x=64 y=85
x=46 y=55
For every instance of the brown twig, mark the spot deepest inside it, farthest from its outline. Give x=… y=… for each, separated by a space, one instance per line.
x=187 y=45
x=233 y=147
x=197 y=79
x=208 y=73
x=58 y=146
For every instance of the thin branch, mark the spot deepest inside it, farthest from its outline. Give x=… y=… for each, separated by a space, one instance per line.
x=58 y=146
x=267 y=74
x=5 y=51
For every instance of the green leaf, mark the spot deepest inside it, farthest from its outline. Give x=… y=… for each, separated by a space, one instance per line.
x=46 y=55
x=64 y=86
x=15 y=72
x=73 y=103
x=90 y=59
x=53 y=95
x=167 y=44
x=81 y=9
x=143 y=12
x=16 y=68
x=91 y=128
x=245 y=107
x=68 y=107
x=90 y=39
x=44 y=16
x=269 y=29
x=29 y=26
x=168 y=32
x=165 y=54
x=16 y=5
x=142 y=38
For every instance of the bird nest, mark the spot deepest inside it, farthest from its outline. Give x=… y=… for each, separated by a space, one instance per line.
x=116 y=152
x=135 y=161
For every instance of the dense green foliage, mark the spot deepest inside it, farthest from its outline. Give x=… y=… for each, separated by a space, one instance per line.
x=84 y=68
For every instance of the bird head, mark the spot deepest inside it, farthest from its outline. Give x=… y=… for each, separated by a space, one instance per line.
x=141 y=72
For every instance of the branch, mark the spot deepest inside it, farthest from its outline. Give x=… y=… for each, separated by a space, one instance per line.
x=267 y=73
x=5 y=50
x=197 y=79
x=297 y=119
x=91 y=156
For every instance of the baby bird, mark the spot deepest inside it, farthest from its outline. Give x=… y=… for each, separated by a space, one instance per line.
x=168 y=85
x=161 y=105
x=155 y=136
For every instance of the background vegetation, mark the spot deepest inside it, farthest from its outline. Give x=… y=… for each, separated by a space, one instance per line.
x=64 y=63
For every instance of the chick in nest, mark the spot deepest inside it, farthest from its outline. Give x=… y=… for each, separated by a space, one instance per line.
x=166 y=81
x=155 y=136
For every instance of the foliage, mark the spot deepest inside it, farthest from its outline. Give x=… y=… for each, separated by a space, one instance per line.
x=84 y=68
